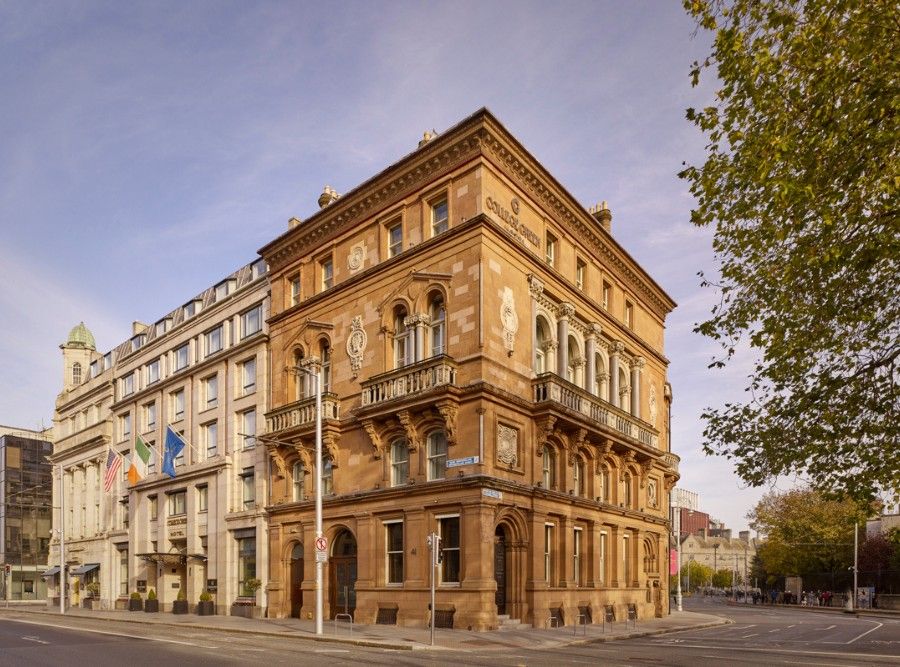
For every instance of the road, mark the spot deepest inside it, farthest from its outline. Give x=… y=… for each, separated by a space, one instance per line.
x=757 y=636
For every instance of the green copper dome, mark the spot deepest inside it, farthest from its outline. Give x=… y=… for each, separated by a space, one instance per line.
x=79 y=336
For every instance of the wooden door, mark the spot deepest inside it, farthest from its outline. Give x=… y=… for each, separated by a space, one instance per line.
x=500 y=570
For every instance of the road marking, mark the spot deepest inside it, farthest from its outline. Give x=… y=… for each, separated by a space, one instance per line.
x=867 y=631
x=331 y=650
x=747 y=649
x=755 y=634
x=106 y=632
x=775 y=630
x=32 y=638
x=829 y=627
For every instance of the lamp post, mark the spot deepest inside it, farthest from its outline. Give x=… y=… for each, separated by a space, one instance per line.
x=677 y=522
x=62 y=542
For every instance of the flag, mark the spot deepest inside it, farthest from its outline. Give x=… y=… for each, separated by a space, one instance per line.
x=174 y=445
x=113 y=465
x=139 y=461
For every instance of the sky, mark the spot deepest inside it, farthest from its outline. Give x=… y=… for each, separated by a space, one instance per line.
x=149 y=149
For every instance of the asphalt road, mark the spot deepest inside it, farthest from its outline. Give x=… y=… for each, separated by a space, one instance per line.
x=757 y=636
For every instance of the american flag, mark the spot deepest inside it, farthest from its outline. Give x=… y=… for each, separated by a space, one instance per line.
x=113 y=466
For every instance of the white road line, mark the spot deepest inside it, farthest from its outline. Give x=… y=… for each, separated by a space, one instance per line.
x=830 y=626
x=775 y=630
x=332 y=650
x=755 y=634
x=867 y=631
x=105 y=632
x=746 y=649
x=32 y=638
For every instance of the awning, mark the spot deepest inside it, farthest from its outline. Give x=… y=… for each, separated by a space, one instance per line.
x=84 y=569
x=52 y=571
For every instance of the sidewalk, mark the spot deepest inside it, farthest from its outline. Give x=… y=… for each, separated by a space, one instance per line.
x=385 y=636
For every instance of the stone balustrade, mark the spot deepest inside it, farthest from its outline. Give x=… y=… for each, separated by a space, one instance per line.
x=302 y=413
x=421 y=376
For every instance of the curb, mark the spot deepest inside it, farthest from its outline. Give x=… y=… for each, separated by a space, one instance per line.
x=647 y=633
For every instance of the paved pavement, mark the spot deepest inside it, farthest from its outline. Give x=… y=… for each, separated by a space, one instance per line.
x=386 y=636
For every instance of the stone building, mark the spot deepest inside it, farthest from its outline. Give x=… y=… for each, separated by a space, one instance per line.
x=494 y=372
x=722 y=552
x=201 y=370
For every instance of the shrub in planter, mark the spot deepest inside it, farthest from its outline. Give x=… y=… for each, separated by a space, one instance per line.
x=206 y=606
x=180 y=606
x=135 y=603
x=151 y=604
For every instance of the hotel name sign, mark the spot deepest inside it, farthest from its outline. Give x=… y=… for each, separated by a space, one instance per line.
x=511 y=217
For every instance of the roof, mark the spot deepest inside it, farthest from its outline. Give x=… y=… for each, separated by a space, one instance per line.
x=80 y=336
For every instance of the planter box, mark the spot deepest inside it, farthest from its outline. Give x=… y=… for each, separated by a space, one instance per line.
x=151 y=606
x=206 y=608
x=246 y=610
x=180 y=607
x=135 y=605
x=91 y=603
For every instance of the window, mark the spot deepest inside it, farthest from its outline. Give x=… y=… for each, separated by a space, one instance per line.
x=202 y=498
x=607 y=294
x=550 y=246
x=153 y=508
x=211 y=391
x=176 y=503
x=189 y=309
x=399 y=462
x=123 y=572
x=403 y=353
x=580 y=270
x=438 y=324
x=297 y=474
x=179 y=460
x=325 y=358
x=627 y=490
x=295 y=290
x=151 y=462
x=604 y=480
x=210 y=437
x=150 y=416
x=96 y=368
x=76 y=373
x=326 y=270
x=437 y=455
x=251 y=321
x=395 y=239
x=214 y=340
x=181 y=357
x=548 y=467
x=394 y=552
x=576 y=557
x=246 y=565
x=578 y=477
x=327 y=477
x=153 y=372
x=248 y=376
x=629 y=314
x=162 y=327
x=439 y=217
x=247 y=424
x=543 y=339
x=128 y=384
x=137 y=342
x=258 y=268
x=548 y=553
x=626 y=561
x=177 y=404
x=248 y=488
x=124 y=427
x=107 y=361
x=449 y=532
x=222 y=290
x=602 y=557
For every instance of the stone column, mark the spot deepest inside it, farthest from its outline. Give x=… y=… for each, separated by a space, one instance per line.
x=421 y=334
x=566 y=310
x=590 y=351
x=615 y=349
x=613 y=556
x=636 y=386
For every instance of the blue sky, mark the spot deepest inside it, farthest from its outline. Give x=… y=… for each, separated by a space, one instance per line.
x=148 y=149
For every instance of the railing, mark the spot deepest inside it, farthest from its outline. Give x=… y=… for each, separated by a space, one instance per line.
x=421 y=376
x=551 y=387
x=672 y=460
x=302 y=413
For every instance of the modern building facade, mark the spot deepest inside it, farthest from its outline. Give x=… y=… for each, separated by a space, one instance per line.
x=25 y=501
x=202 y=371
x=494 y=373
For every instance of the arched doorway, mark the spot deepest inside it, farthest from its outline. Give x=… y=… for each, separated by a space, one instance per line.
x=342 y=592
x=500 y=567
x=296 y=580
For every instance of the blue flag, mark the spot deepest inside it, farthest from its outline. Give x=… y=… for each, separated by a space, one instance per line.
x=174 y=445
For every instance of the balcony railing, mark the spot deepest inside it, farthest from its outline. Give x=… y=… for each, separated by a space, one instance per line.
x=302 y=413
x=551 y=387
x=672 y=461
x=421 y=376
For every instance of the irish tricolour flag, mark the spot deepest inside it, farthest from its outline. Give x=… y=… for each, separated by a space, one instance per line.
x=139 y=461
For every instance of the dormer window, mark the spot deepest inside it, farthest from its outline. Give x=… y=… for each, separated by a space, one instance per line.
x=137 y=342
x=258 y=269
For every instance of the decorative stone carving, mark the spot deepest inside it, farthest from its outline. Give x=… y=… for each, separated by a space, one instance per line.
x=651 y=493
x=509 y=319
x=653 y=404
x=372 y=432
x=329 y=448
x=449 y=412
x=278 y=460
x=617 y=347
x=356 y=344
x=566 y=310
x=412 y=436
x=535 y=286
x=507 y=445
x=546 y=426
x=355 y=258
x=593 y=330
x=577 y=444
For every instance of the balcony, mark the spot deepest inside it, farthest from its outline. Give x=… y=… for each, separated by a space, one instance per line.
x=672 y=461
x=302 y=413
x=419 y=377
x=551 y=387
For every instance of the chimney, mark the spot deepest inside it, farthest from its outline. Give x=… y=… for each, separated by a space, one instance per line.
x=744 y=535
x=328 y=196
x=603 y=215
x=138 y=328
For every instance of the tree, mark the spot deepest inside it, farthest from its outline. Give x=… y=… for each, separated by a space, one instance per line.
x=722 y=579
x=806 y=535
x=694 y=574
x=800 y=184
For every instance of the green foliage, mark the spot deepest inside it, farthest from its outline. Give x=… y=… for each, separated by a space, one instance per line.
x=800 y=184
x=135 y=596
x=151 y=595
x=699 y=575
x=805 y=533
x=94 y=588
x=181 y=595
x=205 y=596
x=253 y=585
x=722 y=579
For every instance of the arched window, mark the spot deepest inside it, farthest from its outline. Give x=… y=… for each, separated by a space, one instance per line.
x=403 y=353
x=578 y=477
x=649 y=557
x=297 y=476
x=76 y=373
x=627 y=489
x=605 y=492
x=624 y=392
x=543 y=339
x=300 y=377
x=437 y=455
x=601 y=376
x=573 y=370
x=327 y=477
x=548 y=471
x=438 y=323
x=399 y=462
x=325 y=357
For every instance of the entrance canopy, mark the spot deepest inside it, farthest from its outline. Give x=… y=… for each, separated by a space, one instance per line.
x=51 y=572
x=169 y=558
x=84 y=569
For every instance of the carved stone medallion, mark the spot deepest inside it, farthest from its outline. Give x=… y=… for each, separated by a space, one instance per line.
x=507 y=445
x=355 y=258
x=356 y=344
